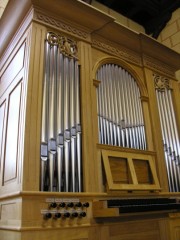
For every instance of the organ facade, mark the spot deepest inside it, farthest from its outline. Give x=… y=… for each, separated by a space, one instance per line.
x=89 y=127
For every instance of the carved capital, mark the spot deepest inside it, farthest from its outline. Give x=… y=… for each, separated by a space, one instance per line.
x=161 y=83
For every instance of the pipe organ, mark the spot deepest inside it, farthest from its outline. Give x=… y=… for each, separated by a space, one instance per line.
x=89 y=127
x=61 y=128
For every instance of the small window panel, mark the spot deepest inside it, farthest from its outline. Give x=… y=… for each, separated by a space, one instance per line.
x=130 y=171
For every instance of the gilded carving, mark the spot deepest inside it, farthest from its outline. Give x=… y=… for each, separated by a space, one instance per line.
x=66 y=46
x=161 y=83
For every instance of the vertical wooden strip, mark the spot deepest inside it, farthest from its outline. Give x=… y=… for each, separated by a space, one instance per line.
x=89 y=123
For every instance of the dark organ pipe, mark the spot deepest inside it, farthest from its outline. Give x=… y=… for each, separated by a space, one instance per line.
x=61 y=127
x=120 y=115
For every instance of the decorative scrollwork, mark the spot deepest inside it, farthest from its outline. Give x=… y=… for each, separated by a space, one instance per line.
x=161 y=83
x=66 y=46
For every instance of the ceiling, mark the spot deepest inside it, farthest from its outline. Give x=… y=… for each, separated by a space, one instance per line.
x=151 y=14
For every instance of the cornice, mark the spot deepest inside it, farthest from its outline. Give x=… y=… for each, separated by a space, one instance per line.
x=154 y=53
x=61 y=25
x=119 y=51
x=158 y=66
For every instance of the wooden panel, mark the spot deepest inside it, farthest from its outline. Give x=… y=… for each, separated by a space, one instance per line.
x=10 y=235
x=2 y=115
x=143 y=171
x=56 y=234
x=13 y=69
x=10 y=159
x=134 y=164
x=177 y=233
x=10 y=211
x=139 y=230
x=120 y=169
x=140 y=236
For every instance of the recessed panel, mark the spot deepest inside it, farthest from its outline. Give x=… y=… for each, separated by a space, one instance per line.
x=143 y=171
x=120 y=170
x=2 y=115
x=11 y=152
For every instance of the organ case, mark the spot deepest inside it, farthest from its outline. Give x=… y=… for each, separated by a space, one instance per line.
x=108 y=76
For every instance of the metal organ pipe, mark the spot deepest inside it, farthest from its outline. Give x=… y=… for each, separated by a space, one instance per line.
x=61 y=126
x=119 y=108
x=169 y=131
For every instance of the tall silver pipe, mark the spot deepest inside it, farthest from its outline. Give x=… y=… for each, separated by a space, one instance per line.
x=60 y=125
x=52 y=118
x=140 y=117
x=131 y=111
x=117 y=107
x=66 y=122
x=78 y=127
x=135 y=114
x=109 y=110
x=104 y=92
x=125 y=107
x=100 y=111
x=121 y=105
x=113 y=104
x=72 y=124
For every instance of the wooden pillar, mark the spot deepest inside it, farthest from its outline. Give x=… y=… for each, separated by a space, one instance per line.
x=31 y=165
x=89 y=157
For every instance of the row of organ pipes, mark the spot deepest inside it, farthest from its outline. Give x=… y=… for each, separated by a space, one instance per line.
x=169 y=129
x=61 y=128
x=119 y=108
x=120 y=117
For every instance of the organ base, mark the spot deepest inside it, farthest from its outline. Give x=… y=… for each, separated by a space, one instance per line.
x=24 y=216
